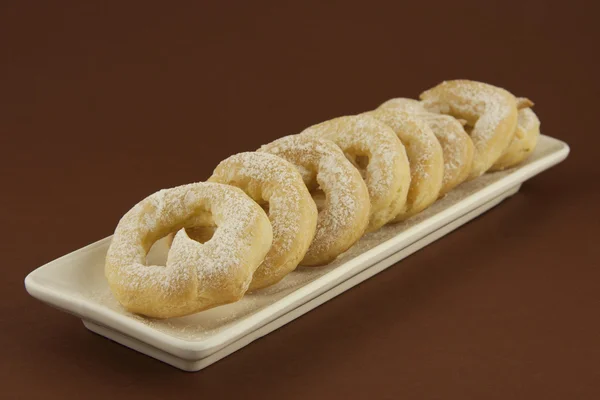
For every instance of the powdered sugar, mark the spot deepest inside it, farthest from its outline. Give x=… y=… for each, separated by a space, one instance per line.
x=362 y=135
x=424 y=154
x=387 y=168
x=420 y=142
x=450 y=135
x=483 y=106
x=191 y=267
x=445 y=129
x=345 y=192
x=489 y=110
x=293 y=215
x=273 y=181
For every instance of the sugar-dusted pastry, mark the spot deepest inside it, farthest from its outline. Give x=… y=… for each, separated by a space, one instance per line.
x=424 y=156
x=276 y=184
x=525 y=139
x=343 y=198
x=490 y=112
x=378 y=154
x=196 y=276
x=457 y=145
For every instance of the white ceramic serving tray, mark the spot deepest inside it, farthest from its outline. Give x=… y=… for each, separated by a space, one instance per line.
x=75 y=283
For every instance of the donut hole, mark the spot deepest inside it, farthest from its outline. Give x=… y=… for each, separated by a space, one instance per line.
x=260 y=200
x=200 y=228
x=266 y=207
x=308 y=176
x=319 y=197
x=360 y=162
x=157 y=255
x=201 y=234
x=254 y=189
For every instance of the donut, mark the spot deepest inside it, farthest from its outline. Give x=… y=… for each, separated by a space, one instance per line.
x=343 y=197
x=424 y=156
x=457 y=146
x=378 y=154
x=525 y=139
x=490 y=112
x=196 y=276
x=275 y=183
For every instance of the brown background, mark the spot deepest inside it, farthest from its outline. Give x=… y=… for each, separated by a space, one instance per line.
x=101 y=105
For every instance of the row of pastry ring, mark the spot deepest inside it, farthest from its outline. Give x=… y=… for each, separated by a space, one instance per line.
x=362 y=171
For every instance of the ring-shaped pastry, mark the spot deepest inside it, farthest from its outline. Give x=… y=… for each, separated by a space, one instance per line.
x=275 y=184
x=424 y=156
x=457 y=145
x=490 y=112
x=196 y=276
x=376 y=151
x=525 y=139
x=344 y=211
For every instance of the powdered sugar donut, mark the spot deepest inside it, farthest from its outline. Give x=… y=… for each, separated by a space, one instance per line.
x=196 y=276
x=424 y=156
x=457 y=145
x=378 y=154
x=525 y=139
x=276 y=184
x=490 y=111
x=344 y=210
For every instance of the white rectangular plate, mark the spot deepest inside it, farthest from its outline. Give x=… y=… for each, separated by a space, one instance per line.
x=75 y=283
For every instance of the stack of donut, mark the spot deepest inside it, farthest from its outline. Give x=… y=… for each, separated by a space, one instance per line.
x=304 y=199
